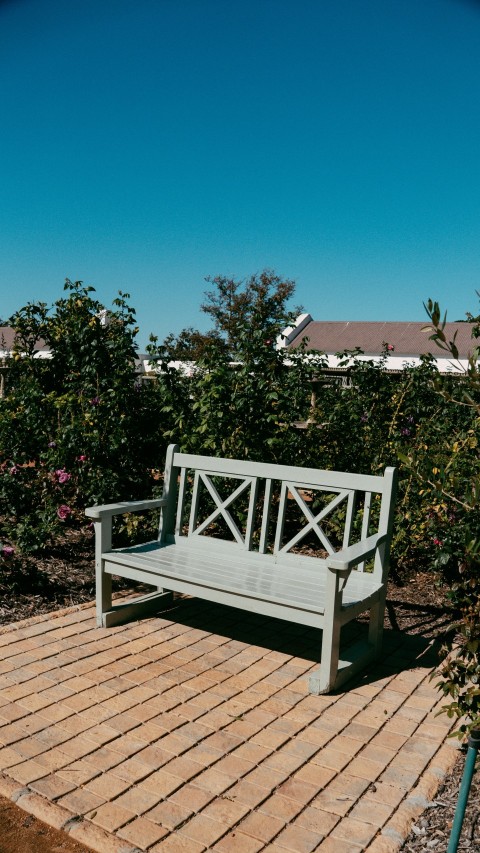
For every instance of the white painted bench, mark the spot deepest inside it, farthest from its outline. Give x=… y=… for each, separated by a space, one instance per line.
x=232 y=531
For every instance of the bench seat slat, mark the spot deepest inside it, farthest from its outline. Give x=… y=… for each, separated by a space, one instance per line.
x=266 y=578
x=208 y=572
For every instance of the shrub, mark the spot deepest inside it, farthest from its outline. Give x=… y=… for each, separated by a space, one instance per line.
x=448 y=472
x=245 y=394
x=77 y=428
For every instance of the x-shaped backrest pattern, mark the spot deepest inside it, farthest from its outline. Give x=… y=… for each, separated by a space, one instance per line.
x=313 y=521
x=222 y=505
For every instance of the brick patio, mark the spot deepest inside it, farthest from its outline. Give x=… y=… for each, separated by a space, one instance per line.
x=194 y=731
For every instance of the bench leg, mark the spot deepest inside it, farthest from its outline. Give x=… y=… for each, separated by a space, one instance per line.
x=108 y=614
x=142 y=605
x=103 y=581
x=324 y=679
x=375 y=626
x=335 y=670
x=103 y=596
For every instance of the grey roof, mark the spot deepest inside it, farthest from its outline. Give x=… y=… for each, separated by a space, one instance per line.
x=7 y=337
x=331 y=336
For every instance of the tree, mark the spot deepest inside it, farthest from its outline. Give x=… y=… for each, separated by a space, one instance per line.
x=245 y=393
x=190 y=345
x=239 y=308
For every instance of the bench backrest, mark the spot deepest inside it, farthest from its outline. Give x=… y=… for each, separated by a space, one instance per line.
x=277 y=509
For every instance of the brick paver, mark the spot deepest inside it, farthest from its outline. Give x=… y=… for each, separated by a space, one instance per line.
x=194 y=731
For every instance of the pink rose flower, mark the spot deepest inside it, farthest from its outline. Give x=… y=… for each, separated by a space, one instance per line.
x=13 y=470
x=8 y=551
x=62 y=476
x=81 y=458
x=63 y=512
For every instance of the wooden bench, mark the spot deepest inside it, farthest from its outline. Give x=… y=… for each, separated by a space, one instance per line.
x=301 y=544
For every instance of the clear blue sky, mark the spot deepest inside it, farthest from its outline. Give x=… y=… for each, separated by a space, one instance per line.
x=146 y=144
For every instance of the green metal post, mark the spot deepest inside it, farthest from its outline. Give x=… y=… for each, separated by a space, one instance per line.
x=472 y=752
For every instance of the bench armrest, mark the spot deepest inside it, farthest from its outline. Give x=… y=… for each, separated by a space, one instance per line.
x=107 y=510
x=354 y=554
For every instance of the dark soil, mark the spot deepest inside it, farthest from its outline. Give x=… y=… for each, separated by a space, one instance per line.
x=23 y=833
x=64 y=576
x=432 y=830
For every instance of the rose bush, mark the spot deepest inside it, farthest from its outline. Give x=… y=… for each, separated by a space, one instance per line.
x=76 y=428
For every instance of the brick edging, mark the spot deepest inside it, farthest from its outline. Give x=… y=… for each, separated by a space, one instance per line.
x=62 y=819
x=57 y=614
x=393 y=835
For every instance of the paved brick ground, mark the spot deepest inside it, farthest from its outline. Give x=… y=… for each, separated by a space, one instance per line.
x=194 y=731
